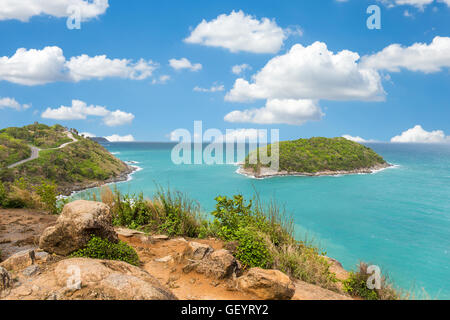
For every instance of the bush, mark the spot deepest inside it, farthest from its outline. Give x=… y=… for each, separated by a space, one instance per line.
x=98 y=248
x=47 y=193
x=252 y=249
x=356 y=285
x=3 y=195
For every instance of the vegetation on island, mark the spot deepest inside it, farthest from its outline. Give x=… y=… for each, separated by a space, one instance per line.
x=79 y=164
x=320 y=155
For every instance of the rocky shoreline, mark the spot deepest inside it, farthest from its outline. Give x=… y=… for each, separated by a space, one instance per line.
x=269 y=173
x=123 y=176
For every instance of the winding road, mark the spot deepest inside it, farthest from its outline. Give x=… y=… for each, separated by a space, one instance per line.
x=35 y=151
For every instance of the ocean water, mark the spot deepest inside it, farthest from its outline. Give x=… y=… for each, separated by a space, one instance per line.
x=398 y=218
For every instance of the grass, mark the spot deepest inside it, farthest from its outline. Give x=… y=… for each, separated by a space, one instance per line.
x=321 y=154
x=39 y=135
x=12 y=150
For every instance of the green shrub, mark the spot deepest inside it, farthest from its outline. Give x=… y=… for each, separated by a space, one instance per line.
x=252 y=250
x=47 y=192
x=356 y=285
x=98 y=248
x=3 y=195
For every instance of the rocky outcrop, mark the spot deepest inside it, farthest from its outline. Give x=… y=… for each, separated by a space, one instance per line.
x=267 y=284
x=90 y=279
x=78 y=221
x=203 y=259
x=19 y=260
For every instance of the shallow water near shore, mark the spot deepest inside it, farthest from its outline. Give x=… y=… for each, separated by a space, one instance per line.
x=397 y=218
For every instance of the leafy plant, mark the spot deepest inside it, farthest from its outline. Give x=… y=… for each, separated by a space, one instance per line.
x=98 y=248
x=47 y=192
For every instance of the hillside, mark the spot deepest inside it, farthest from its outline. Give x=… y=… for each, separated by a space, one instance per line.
x=320 y=156
x=81 y=164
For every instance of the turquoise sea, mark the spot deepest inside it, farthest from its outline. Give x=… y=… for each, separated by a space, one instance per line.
x=398 y=218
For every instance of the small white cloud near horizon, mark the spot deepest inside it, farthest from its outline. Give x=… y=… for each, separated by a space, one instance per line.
x=427 y=58
x=184 y=63
x=38 y=67
x=276 y=111
x=79 y=110
x=418 y=135
x=88 y=135
x=214 y=88
x=13 y=104
x=239 y=68
x=356 y=139
x=237 y=32
x=23 y=10
x=118 y=138
x=420 y=4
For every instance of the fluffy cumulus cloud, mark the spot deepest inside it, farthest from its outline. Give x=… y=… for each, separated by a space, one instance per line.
x=419 y=135
x=37 y=67
x=163 y=79
x=23 y=10
x=214 y=88
x=117 y=138
x=238 y=69
x=12 y=103
x=311 y=72
x=293 y=112
x=238 y=31
x=422 y=57
x=79 y=110
x=184 y=63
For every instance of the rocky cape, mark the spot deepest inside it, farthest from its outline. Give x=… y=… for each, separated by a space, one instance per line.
x=266 y=172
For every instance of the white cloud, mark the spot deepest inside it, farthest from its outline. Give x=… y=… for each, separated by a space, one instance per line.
x=99 y=67
x=79 y=110
x=184 y=63
x=87 y=135
x=356 y=139
x=13 y=104
x=163 y=79
x=293 y=112
x=311 y=72
x=419 y=135
x=422 y=57
x=239 y=32
x=447 y=2
x=23 y=10
x=117 y=138
x=421 y=4
x=214 y=88
x=238 y=69
x=36 y=67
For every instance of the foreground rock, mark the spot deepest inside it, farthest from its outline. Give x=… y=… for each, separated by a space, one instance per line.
x=5 y=280
x=267 y=284
x=19 y=260
x=75 y=226
x=90 y=279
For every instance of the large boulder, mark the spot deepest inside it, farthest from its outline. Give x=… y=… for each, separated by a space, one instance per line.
x=91 y=279
x=78 y=221
x=197 y=251
x=267 y=284
x=19 y=260
x=219 y=265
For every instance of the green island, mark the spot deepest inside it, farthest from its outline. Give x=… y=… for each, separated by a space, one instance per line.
x=315 y=157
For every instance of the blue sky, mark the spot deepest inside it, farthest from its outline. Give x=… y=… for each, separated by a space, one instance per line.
x=315 y=89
